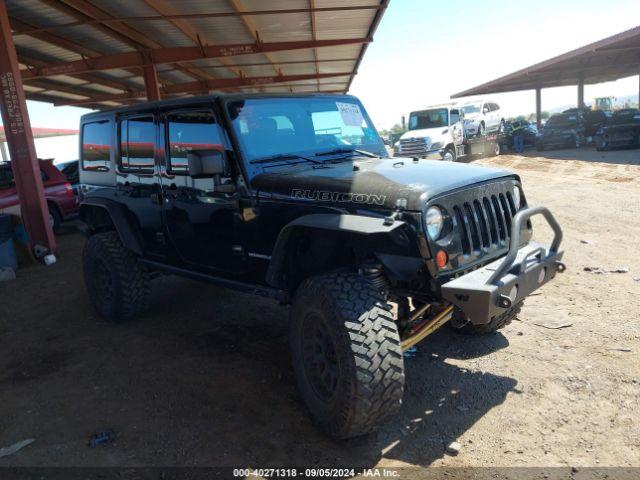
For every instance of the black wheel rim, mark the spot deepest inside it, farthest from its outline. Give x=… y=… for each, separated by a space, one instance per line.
x=103 y=283
x=319 y=357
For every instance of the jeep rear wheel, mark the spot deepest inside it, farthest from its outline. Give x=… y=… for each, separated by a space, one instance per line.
x=346 y=354
x=459 y=322
x=117 y=285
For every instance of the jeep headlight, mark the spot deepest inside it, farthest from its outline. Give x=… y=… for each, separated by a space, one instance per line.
x=434 y=221
x=517 y=197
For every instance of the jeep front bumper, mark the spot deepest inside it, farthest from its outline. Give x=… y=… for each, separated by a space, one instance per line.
x=488 y=291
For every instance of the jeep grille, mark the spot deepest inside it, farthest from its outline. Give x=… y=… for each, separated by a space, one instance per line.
x=484 y=223
x=481 y=219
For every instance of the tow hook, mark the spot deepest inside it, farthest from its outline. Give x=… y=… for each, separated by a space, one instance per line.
x=561 y=267
x=504 y=301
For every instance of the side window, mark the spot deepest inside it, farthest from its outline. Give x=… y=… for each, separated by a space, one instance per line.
x=495 y=106
x=6 y=176
x=96 y=146
x=137 y=144
x=454 y=116
x=186 y=131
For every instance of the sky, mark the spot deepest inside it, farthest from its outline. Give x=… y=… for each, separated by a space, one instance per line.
x=426 y=50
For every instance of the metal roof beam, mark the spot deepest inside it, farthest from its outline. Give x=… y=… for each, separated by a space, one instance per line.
x=251 y=28
x=19 y=25
x=164 y=8
x=87 y=77
x=120 y=31
x=176 y=54
x=283 y=62
x=190 y=16
x=206 y=86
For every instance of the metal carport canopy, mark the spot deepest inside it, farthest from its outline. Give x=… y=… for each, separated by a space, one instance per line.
x=105 y=53
x=606 y=60
x=97 y=53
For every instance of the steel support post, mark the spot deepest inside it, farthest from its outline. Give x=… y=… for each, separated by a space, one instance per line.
x=26 y=170
x=539 y=107
x=580 y=94
x=151 y=85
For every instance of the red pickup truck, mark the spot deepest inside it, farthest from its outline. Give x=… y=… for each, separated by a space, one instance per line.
x=62 y=201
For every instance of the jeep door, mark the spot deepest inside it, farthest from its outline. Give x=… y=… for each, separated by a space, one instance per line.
x=136 y=180
x=200 y=219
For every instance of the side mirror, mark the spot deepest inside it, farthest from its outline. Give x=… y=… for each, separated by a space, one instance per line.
x=206 y=163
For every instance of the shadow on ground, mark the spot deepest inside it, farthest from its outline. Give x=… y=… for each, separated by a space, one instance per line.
x=204 y=379
x=590 y=154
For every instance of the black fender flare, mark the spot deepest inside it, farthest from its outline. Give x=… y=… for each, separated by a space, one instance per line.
x=348 y=223
x=128 y=233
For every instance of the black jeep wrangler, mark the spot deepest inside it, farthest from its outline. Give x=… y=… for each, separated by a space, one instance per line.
x=294 y=197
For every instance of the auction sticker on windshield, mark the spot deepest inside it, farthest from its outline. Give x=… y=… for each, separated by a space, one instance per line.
x=350 y=112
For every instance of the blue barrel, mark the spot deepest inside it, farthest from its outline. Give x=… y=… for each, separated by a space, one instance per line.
x=7 y=251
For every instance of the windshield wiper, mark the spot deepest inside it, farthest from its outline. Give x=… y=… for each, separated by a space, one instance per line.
x=283 y=157
x=350 y=151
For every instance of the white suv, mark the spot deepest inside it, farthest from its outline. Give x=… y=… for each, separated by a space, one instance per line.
x=481 y=117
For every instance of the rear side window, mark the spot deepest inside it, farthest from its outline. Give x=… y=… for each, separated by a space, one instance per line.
x=96 y=146
x=137 y=144
x=187 y=131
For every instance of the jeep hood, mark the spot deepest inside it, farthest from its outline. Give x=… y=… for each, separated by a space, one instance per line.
x=373 y=182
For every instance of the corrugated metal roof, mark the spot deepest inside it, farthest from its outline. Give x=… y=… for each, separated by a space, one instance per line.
x=51 y=33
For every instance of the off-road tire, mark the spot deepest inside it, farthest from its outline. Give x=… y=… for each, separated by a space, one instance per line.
x=497 y=323
x=367 y=353
x=105 y=259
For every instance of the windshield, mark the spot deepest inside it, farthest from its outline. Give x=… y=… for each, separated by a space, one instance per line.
x=475 y=108
x=434 y=118
x=304 y=126
x=561 y=121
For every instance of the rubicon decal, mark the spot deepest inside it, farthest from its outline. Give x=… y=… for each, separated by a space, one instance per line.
x=344 y=197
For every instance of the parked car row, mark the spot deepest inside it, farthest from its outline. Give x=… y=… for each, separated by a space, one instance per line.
x=573 y=129
x=59 y=193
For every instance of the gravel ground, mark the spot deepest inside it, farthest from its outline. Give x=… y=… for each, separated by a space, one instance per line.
x=204 y=379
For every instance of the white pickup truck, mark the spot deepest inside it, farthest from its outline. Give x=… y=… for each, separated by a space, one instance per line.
x=438 y=132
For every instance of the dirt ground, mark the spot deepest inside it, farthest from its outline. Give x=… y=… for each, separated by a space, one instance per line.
x=204 y=379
